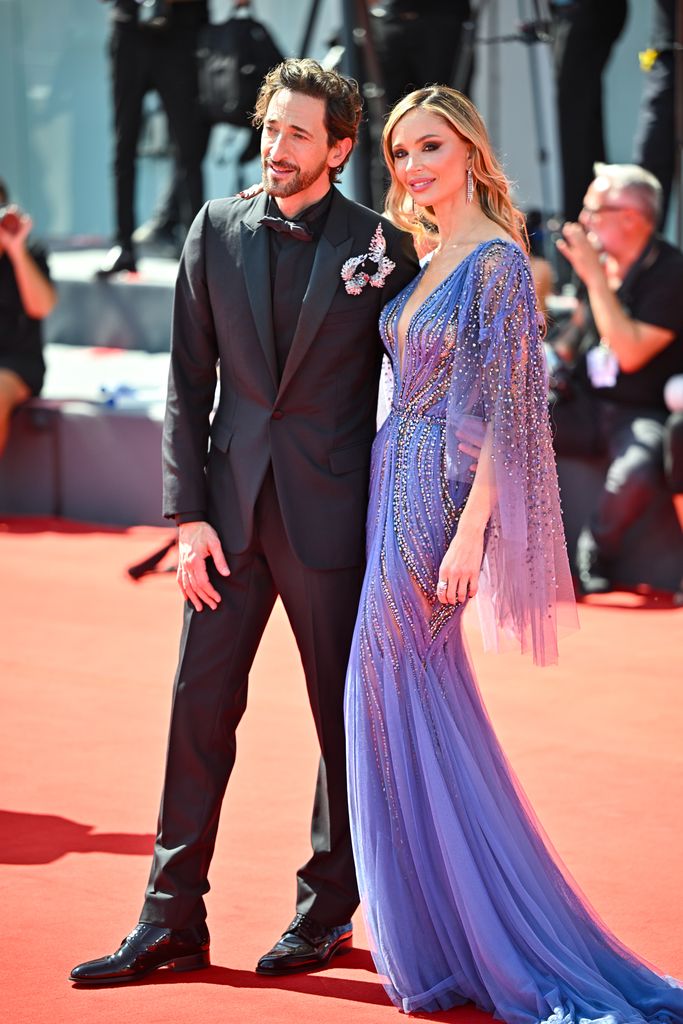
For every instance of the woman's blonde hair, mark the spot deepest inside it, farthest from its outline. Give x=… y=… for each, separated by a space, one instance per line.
x=491 y=186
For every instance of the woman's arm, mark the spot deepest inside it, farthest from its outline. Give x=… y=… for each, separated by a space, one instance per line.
x=37 y=294
x=461 y=564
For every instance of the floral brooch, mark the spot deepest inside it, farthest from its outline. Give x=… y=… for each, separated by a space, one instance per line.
x=358 y=271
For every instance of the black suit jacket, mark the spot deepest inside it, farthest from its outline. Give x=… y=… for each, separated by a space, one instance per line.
x=316 y=424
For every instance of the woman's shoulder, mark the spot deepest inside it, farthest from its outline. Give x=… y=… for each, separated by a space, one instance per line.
x=501 y=247
x=501 y=255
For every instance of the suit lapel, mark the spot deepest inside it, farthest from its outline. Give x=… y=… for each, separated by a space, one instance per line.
x=333 y=250
x=256 y=256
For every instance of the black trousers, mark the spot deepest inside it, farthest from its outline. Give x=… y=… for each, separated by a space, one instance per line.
x=216 y=653
x=673 y=452
x=583 y=36
x=143 y=59
x=166 y=215
x=633 y=439
x=654 y=142
x=416 y=51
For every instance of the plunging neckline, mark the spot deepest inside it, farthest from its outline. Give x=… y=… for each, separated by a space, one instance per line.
x=400 y=356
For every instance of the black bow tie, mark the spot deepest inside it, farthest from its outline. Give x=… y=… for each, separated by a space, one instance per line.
x=296 y=229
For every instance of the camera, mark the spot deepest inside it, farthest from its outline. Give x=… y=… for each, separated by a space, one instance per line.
x=10 y=220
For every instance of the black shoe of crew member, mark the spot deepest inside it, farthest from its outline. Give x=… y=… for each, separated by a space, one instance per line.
x=119 y=258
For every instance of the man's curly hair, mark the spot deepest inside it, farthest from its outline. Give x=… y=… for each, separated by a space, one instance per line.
x=343 y=104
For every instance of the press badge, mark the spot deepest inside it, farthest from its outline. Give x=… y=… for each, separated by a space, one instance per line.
x=602 y=366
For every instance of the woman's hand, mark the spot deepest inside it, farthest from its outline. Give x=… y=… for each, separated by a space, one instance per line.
x=251 y=192
x=461 y=566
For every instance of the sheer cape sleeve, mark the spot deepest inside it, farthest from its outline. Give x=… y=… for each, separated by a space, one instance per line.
x=526 y=596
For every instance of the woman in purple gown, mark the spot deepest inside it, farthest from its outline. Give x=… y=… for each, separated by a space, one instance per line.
x=462 y=898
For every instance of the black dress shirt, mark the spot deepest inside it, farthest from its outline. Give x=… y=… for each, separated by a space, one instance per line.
x=291 y=262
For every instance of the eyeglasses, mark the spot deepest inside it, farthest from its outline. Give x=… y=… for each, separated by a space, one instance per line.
x=592 y=211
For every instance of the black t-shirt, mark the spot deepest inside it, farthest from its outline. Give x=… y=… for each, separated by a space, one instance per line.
x=652 y=292
x=21 y=337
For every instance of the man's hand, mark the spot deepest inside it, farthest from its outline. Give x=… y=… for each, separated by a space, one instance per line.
x=577 y=249
x=471 y=433
x=470 y=441
x=196 y=542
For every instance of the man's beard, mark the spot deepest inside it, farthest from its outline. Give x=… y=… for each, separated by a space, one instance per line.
x=298 y=182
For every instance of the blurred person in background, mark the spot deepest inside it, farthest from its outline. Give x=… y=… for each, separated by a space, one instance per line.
x=233 y=57
x=153 y=46
x=584 y=32
x=673 y=440
x=418 y=43
x=541 y=267
x=654 y=146
x=26 y=298
x=628 y=341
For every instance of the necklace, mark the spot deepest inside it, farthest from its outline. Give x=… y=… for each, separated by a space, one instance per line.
x=455 y=245
x=440 y=254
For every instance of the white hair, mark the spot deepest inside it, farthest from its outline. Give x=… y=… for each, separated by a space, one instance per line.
x=638 y=185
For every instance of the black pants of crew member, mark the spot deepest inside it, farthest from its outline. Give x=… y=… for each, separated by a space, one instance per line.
x=143 y=59
x=166 y=215
x=416 y=51
x=633 y=439
x=673 y=452
x=583 y=36
x=216 y=653
x=654 y=142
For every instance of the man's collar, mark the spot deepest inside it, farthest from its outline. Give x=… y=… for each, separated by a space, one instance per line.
x=647 y=256
x=309 y=215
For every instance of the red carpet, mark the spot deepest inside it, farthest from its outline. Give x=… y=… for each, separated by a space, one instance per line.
x=86 y=663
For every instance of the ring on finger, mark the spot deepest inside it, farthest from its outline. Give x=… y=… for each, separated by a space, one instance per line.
x=442 y=585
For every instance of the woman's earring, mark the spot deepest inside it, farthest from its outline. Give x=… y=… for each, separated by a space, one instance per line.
x=470 y=186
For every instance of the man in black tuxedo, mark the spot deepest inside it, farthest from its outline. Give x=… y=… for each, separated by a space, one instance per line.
x=274 y=505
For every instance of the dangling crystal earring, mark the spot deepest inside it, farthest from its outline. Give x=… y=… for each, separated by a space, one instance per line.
x=470 y=186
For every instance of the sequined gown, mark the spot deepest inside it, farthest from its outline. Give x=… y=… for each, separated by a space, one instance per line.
x=462 y=898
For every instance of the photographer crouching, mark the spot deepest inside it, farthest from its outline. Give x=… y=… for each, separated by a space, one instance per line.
x=26 y=297
x=624 y=343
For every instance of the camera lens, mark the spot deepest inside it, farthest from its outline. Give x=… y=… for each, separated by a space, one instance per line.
x=9 y=220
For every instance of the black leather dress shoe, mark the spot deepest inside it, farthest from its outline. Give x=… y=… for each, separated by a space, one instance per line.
x=595 y=570
x=305 y=946
x=146 y=948
x=117 y=259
